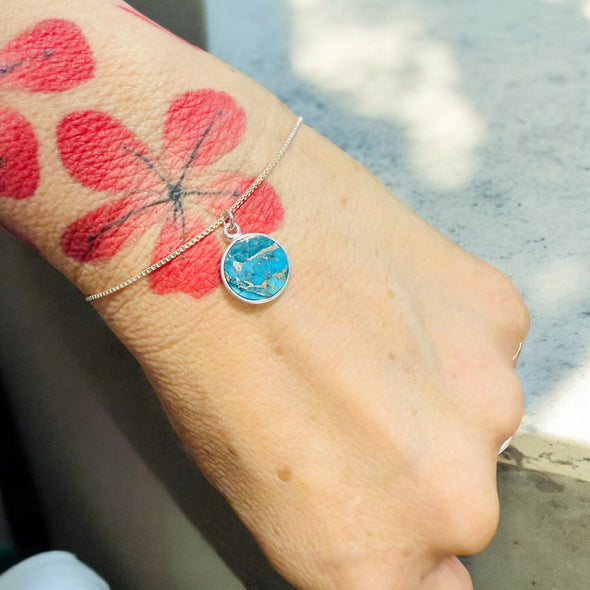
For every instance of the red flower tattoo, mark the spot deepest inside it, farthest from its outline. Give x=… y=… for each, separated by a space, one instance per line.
x=19 y=168
x=180 y=192
x=53 y=56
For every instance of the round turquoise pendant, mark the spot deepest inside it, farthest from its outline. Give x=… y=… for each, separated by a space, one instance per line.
x=255 y=268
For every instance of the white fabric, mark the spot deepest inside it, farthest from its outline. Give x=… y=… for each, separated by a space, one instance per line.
x=54 y=570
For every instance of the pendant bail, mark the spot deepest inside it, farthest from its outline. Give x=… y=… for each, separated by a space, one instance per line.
x=231 y=229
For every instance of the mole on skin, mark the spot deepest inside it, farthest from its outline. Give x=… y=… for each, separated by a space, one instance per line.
x=285 y=473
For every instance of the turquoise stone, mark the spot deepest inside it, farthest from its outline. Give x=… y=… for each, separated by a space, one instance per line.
x=255 y=268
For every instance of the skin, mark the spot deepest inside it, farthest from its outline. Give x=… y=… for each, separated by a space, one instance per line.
x=353 y=423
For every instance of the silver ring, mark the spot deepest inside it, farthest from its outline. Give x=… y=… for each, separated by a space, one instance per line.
x=505 y=445
x=518 y=350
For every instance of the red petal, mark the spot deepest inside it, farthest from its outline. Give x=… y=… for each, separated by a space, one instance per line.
x=101 y=153
x=202 y=126
x=19 y=168
x=51 y=57
x=262 y=212
x=195 y=272
x=100 y=234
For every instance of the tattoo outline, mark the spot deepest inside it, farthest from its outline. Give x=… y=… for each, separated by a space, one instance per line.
x=51 y=56
x=179 y=191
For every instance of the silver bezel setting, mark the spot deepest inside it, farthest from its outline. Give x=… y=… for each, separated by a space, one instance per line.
x=237 y=239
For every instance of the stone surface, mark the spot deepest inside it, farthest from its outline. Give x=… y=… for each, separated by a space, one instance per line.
x=543 y=541
x=255 y=268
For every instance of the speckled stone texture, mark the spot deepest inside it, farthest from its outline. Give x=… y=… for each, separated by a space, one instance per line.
x=541 y=544
x=477 y=115
x=255 y=268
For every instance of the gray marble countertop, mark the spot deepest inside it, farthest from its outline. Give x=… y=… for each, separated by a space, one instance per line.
x=477 y=115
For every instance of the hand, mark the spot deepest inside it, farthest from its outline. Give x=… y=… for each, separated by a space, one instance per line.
x=354 y=423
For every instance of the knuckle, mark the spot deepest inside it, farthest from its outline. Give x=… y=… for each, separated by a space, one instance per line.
x=476 y=526
x=504 y=405
x=468 y=512
x=511 y=407
x=450 y=574
x=510 y=310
